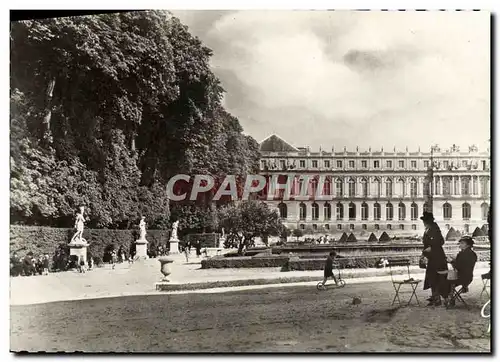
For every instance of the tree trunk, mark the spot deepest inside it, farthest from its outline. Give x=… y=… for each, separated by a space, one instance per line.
x=47 y=134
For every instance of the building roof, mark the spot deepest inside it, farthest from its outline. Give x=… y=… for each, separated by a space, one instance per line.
x=273 y=143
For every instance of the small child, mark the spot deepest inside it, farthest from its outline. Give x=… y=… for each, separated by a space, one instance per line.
x=329 y=268
x=45 y=263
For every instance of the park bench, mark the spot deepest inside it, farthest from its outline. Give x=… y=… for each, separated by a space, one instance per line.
x=397 y=283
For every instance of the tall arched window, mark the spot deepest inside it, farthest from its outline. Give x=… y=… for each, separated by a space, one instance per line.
x=314 y=187
x=484 y=211
x=388 y=187
x=402 y=186
x=302 y=211
x=427 y=208
x=401 y=211
x=315 y=211
x=364 y=187
x=446 y=185
x=447 y=211
x=376 y=211
x=327 y=211
x=282 y=210
x=378 y=187
x=352 y=211
x=413 y=188
x=465 y=211
x=339 y=187
x=389 y=211
x=327 y=189
x=352 y=187
x=340 y=211
x=485 y=190
x=465 y=185
x=414 y=211
x=364 y=211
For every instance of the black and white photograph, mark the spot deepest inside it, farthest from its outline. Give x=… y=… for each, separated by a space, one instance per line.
x=250 y=181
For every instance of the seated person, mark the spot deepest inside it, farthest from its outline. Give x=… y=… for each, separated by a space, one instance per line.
x=464 y=262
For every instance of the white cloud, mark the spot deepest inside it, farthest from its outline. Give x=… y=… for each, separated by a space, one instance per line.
x=348 y=78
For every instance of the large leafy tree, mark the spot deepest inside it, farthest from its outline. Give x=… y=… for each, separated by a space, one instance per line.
x=247 y=220
x=105 y=109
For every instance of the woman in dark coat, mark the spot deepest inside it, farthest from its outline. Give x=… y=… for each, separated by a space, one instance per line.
x=436 y=260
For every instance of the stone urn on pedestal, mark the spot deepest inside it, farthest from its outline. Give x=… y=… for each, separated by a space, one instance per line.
x=165 y=267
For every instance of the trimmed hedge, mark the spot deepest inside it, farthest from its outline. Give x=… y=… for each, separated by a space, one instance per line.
x=46 y=240
x=272 y=261
x=362 y=261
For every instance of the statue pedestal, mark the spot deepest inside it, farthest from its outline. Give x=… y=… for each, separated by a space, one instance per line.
x=79 y=249
x=141 y=249
x=174 y=246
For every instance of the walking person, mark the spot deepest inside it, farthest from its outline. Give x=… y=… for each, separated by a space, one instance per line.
x=114 y=258
x=437 y=266
x=328 y=272
x=186 y=252
x=198 y=248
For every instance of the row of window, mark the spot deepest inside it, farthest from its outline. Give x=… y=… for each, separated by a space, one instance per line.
x=414 y=212
x=469 y=186
x=376 y=164
x=351 y=227
x=365 y=227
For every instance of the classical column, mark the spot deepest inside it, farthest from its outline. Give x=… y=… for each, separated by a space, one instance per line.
x=459 y=185
x=346 y=186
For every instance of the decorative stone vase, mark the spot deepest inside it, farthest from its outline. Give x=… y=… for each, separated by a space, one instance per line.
x=164 y=267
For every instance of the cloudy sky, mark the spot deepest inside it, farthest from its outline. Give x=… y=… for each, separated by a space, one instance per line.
x=379 y=79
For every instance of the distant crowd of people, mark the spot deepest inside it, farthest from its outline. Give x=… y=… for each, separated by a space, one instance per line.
x=29 y=265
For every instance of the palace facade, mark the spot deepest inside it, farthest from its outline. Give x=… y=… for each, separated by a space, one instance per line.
x=381 y=190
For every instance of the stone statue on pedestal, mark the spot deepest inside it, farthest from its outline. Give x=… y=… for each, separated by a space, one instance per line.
x=175 y=226
x=174 y=238
x=141 y=248
x=78 y=245
x=142 y=228
x=79 y=225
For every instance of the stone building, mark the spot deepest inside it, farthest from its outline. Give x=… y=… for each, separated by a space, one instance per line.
x=376 y=190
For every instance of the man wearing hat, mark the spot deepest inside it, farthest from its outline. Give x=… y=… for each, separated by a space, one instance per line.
x=464 y=262
x=435 y=272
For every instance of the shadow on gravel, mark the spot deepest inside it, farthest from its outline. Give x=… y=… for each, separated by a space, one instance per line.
x=381 y=315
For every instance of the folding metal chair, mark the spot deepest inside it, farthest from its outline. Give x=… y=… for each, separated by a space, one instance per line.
x=456 y=294
x=486 y=278
x=397 y=284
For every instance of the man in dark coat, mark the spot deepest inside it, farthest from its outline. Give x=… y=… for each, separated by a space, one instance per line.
x=465 y=261
x=436 y=270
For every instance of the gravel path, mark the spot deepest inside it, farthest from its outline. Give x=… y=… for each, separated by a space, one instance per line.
x=290 y=319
